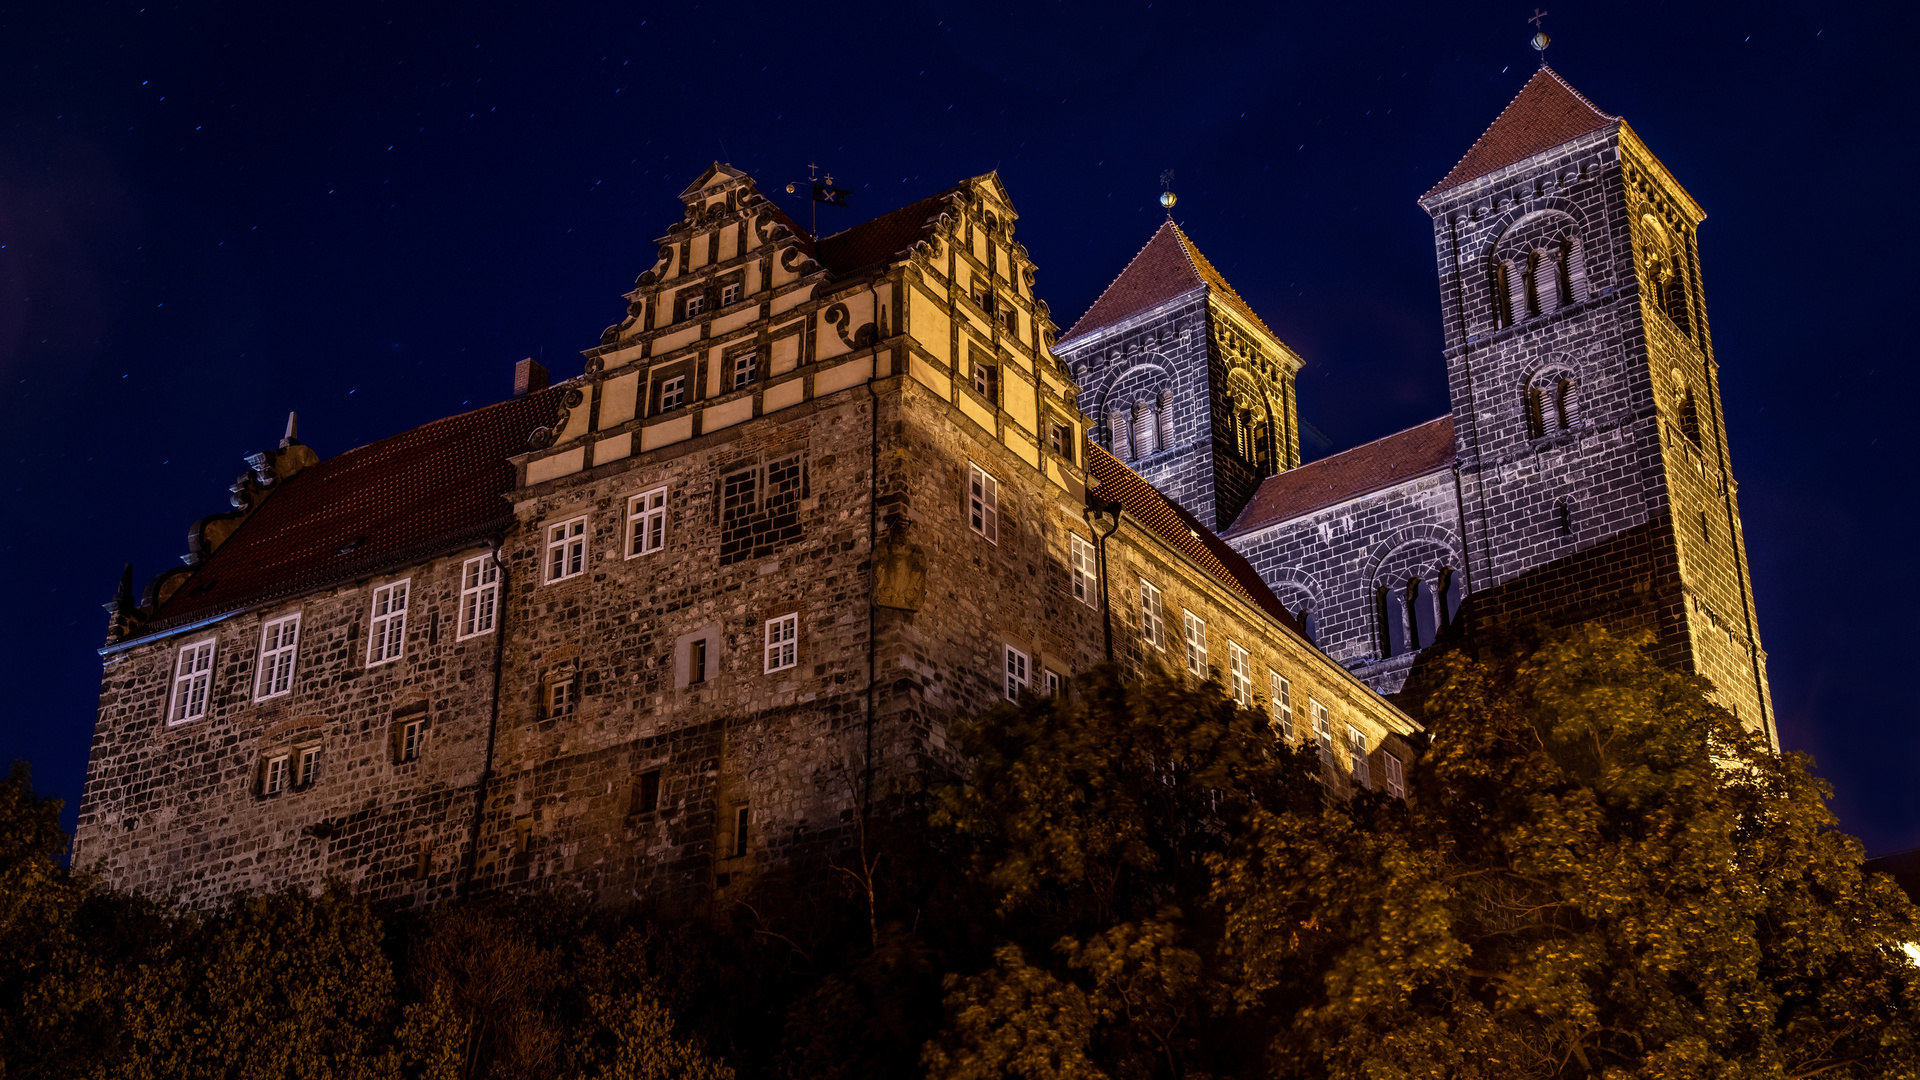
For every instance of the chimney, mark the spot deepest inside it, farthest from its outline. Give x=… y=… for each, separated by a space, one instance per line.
x=529 y=377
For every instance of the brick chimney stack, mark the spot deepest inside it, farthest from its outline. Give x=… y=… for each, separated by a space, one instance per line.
x=529 y=377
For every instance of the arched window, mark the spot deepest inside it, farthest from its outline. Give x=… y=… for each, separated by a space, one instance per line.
x=1552 y=404
x=1120 y=433
x=1146 y=435
x=1689 y=416
x=1538 y=268
x=1163 y=410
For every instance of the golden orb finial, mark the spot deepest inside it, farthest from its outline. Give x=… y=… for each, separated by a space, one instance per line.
x=1168 y=198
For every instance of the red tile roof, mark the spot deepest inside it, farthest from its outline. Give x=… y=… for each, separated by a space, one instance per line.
x=878 y=241
x=1169 y=266
x=430 y=490
x=1545 y=113
x=1181 y=531
x=1378 y=464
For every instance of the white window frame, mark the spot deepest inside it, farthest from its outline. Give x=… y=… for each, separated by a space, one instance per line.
x=1153 y=623
x=1396 y=776
x=1282 y=691
x=1051 y=680
x=1358 y=764
x=1019 y=671
x=696 y=304
x=308 y=767
x=413 y=734
x=1084 y=563
x=479 y=597
x=1240 y=673
x=673 y=393
x=566 y=549
x=563 y=699
x=279 y=771
x=731 y=294
x=387 y=622
x=1194 y=629
x=782 y=642
x=745 y=367
x=983 y=503
x=646 y=522
x=279 y=645
x=192 y=682
x=1322 y=730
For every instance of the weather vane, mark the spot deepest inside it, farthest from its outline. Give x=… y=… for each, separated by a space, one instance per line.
x=1540 y=38
x=1167 y=197
x=822 y=192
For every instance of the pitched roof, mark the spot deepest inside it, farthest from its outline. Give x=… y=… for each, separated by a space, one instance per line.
x=1182 y=531
x=423 y=491
x=1375 y=465
x=874 y=242
x=1545 y=113
x=1169 y=265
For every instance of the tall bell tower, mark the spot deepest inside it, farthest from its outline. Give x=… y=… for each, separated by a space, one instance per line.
x=1595 y=478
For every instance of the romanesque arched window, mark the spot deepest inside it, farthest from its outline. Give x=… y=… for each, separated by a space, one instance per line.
x=1552 y=403
x=1538 y=267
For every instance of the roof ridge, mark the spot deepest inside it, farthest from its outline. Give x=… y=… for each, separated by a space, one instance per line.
x=1370 y=442
x=1448 y=181
x=1164 y=226
x=1210 y=275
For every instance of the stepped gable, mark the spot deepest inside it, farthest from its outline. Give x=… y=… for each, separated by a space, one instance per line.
x=1545 y=113
x=1182 y=531
x=423 y=492
x=1382 y=463
x=877 y=242
x=1169 y=265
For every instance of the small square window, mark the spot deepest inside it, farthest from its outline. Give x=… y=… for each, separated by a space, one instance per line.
x=1240 y=673
x=410 y=738
x=983 y=503
x=278 y=641
x=783 y=642
x=1153 y=626
x=1282 y=691
x=673 y=393
x=696 y=304
x=1017 y=673
x=1084 y=564
x=192 y=682
x=1196 y=635
x=730 y=295
x=387 y=627
x=744 y=366
x=275 y=780
x=647 y=522
x=308 y=768
x=479 y=596
x=566 y=549
x=1357 y=754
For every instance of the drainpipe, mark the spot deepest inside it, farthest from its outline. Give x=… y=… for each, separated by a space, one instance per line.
x=493 y=722
x=1103 y=517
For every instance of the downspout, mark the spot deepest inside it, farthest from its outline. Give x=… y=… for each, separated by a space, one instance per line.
x=493 y=721
x=1095 y=504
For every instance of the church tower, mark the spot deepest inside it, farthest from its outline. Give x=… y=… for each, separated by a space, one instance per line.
x=1593 y=461
x=1186 y=384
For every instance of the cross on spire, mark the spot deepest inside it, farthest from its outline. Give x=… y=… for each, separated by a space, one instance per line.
x=1540 y=38
x=1537 y=16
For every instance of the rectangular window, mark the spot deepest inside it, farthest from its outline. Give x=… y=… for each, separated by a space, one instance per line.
x=1060 y=441
x=646 y=794
x=783 y=642
x=278 y=640
x=1282 y=691
x=1396 y=777
x=1322 y=730
x=697 y=661
x=192 y=682
x=1017 y=673
x=1053 y=683
x=566 y=549
x=743 y=368
x=1240 y=673
x=276 y=778
x=740 y=819
x=561 y=698
x=309 y=767
x=387 y=628
x=1084 y=565
x=696 y=304
x=408 y=748
x=1153 y=627
x=479 y=596
x=1357 y=753
x=986 y=381
x=1196 y=634
x=983 y=503
x=647 y=522
x=730 y=295
x=673 y=393
x=980 y=295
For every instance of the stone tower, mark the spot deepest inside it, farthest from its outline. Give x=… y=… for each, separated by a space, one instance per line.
x=1594 y=471
x=1186 y=384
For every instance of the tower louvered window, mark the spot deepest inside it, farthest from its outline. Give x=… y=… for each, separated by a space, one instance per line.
x=1146 y=436
x=1120 y=433
x=1516 y=292
x=1163 y=414
x=1546 y=282
x=1689 y=417
x=1576 y=269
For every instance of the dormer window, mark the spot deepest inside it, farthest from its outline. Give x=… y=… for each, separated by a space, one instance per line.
x=730 y=295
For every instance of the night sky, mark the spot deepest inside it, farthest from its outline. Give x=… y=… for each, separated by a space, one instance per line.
x=213 y=214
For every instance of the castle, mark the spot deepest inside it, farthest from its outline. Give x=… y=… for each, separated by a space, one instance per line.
x=648 y=632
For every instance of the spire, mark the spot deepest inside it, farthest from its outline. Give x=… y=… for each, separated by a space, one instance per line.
x=1169 y=266
x=1545 y=113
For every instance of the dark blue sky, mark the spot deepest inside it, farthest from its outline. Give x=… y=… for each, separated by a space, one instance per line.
x=212 y=214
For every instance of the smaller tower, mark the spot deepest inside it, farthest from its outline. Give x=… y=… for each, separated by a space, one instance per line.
x=1185 y=383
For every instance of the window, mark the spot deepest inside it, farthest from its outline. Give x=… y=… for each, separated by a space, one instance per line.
x=1706 y=532
x=1017 y=673
x=1052 y=683
x=192 y=681
x=562 y=698
x=696 y=304
x=647 y=522
x=1357 y=752
x=740 y=819
x=783 y=642
x=407 y=746
x=387 y=631
x=566 y=549
x=1152 y=626
x=275 y=781
x=673 y=393
x=479 y=596
x=646 y=793
x=1060 y=440
x=986 y=381
x=981 y=295
x=730 y=295
x=308 y=768
x=743 y=368
x=1322 y=731
x=697 y=661
x=278 y=640
x=1396 y=778
x=1240 y=674
x=1196 y=634
x=1083 y=565
x=983 y=503
x=1282 y=691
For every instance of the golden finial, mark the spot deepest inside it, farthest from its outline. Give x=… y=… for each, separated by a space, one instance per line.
x=1540 y=38
x=1167 y=197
